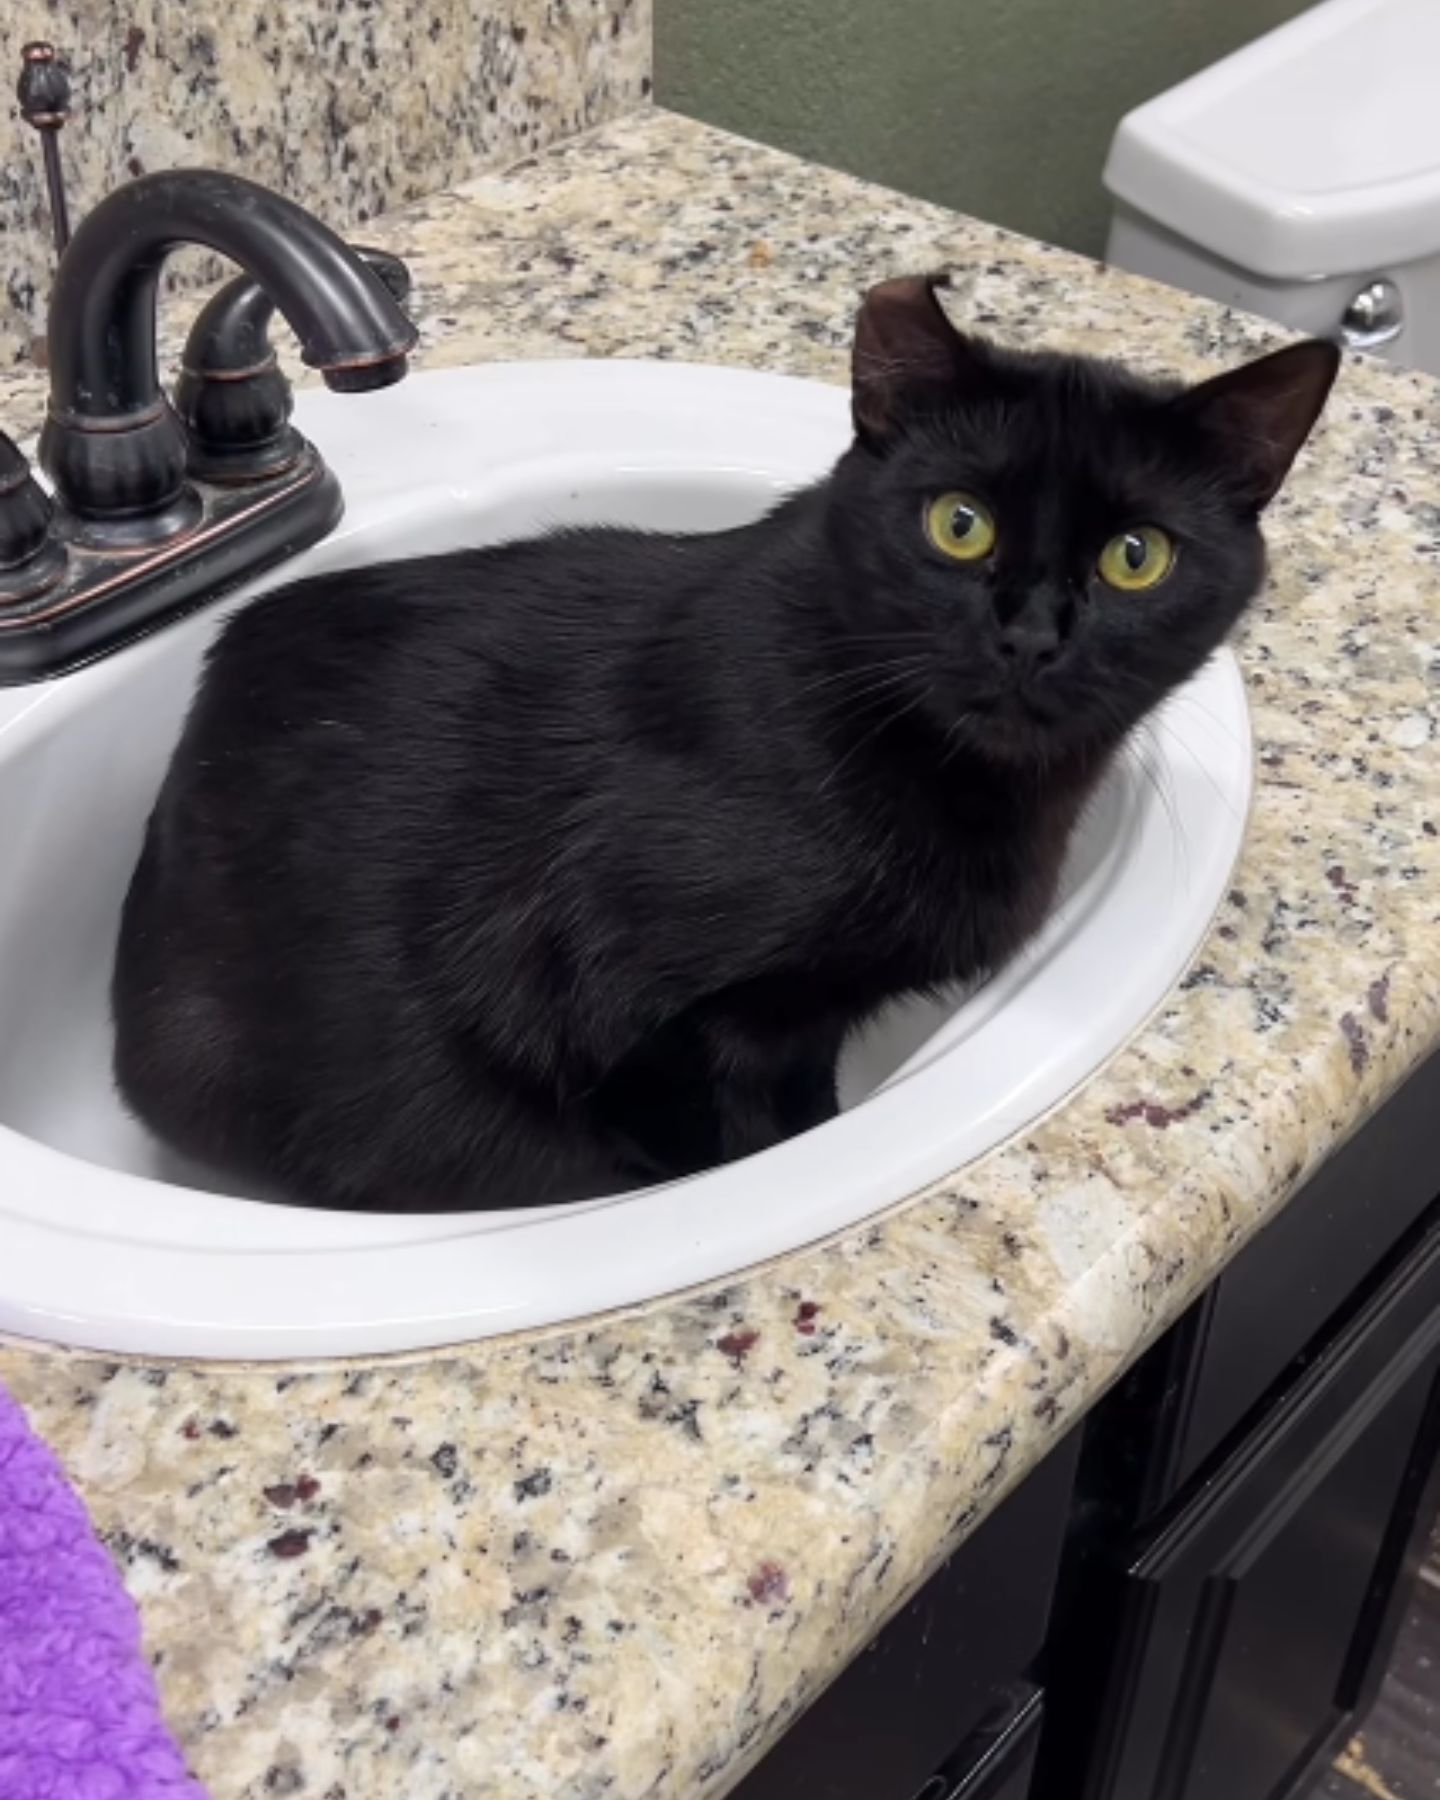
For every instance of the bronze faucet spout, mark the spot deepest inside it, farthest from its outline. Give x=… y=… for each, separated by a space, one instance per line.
x=111 y=444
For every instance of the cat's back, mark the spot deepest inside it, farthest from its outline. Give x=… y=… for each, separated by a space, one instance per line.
x=449 y=620
x=401 y=675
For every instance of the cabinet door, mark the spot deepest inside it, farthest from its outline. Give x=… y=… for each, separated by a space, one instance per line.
x=946 y=1671
x=1254 y=1621
x=1290 y=1289
x=1302 y=1269
x=998 y=1760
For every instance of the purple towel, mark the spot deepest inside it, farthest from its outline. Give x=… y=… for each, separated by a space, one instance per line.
x=79 y=1714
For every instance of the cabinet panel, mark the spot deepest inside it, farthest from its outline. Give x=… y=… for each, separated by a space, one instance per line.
x=999 y=1761
x=1243 y=1622
x=1287 y=1611
x=931 y=1678
x=1302 y=1271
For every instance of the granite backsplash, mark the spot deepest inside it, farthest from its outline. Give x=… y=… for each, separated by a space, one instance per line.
x=348 y=106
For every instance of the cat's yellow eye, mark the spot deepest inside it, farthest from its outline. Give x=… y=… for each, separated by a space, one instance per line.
x=1137 y=559
x=961 y=526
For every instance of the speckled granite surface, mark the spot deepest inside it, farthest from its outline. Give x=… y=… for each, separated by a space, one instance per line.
x=348 y=106
x=614 y=1560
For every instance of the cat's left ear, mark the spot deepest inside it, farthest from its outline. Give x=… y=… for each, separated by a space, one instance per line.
x=908 y=356
x=1260 y=414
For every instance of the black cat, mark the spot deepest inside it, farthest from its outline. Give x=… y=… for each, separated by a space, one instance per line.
x=519 y=873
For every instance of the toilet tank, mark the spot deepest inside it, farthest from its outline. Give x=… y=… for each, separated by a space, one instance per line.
x=1299 y=178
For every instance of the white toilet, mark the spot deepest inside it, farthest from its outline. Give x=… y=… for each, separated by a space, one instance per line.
x=1299 y=179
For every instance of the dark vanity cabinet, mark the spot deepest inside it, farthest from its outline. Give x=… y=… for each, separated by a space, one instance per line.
x=1253 y=1499
x=941 y=1705
x=1245 y=1626
x=1195 y=1596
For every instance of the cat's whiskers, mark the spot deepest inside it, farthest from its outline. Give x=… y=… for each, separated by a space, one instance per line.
x=1141 y=746
x=1183 y=697
x=953 y=741
x=870 y=736
x=855 y=706
x=889 y=640
x=1154 y=770
x=872 y=688
x=1198 y=759
x=1138 y=745
x=841 y=678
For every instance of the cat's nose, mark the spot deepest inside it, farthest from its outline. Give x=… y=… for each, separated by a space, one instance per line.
x=1034 y=627
x=1030 y=644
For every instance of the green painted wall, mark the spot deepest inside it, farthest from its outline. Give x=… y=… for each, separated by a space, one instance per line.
x=1003 y=110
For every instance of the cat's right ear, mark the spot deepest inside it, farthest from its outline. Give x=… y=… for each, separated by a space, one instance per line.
x=1259 y=415
x=907 y=356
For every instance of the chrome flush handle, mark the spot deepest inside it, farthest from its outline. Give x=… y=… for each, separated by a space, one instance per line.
x=1375 y=317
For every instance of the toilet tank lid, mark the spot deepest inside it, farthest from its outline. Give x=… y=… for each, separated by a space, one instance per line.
x=1313 y=151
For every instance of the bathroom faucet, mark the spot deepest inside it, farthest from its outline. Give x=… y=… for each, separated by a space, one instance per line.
x=147 y=521
x=231 y=396
x=111 y=445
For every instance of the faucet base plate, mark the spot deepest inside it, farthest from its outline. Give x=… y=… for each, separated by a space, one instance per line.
x=107 y=599
x=184 y=514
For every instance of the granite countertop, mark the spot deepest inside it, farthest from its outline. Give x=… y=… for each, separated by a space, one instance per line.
x=617 y=1558
x=350 y=107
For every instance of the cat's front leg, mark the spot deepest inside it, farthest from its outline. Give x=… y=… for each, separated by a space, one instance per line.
x=807 y=1095
x=656 y=1107
x=766 y=1089
x=708 y=1088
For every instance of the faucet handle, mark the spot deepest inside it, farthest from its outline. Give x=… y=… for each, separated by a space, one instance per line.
x=32 y=559
x=391 y=269
x=44 y=95
x=232 y=397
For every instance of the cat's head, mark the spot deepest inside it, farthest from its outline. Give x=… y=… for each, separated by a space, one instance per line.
x=1045 y=546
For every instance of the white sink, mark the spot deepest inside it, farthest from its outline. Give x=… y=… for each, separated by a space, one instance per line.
x=107 y=1241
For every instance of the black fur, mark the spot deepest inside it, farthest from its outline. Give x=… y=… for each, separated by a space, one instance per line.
x=518 y=873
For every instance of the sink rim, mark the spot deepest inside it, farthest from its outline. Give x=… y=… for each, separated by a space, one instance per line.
x=322 y=1265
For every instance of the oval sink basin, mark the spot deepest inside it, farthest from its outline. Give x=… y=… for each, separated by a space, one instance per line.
x=108 y=1241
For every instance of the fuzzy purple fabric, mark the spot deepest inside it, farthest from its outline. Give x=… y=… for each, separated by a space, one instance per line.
x=79 y=1714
